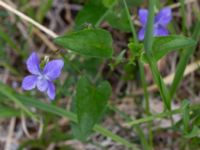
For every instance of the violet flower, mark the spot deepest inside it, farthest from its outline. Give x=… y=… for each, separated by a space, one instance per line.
x=42 y=79
x=161 y=21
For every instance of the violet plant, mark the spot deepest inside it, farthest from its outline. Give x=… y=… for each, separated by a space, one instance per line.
x=42 y=78
x=91 y=95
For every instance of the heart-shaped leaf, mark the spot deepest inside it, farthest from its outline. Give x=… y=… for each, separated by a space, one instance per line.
x=90 y=42
x=91 y=102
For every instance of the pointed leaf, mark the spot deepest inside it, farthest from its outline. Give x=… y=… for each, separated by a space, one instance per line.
x=166 y=44
x=90 y=42
x=91 y=102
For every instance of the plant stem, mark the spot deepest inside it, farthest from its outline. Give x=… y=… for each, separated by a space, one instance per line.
x=146 y=95
x=104 y=15
x=162 y=115
x=141 y=67
x=144 y=85
x=148 y=41
x=183 y=14
x=130 y=23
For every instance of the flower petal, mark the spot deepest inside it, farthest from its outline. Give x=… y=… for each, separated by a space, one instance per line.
x=141 y=34
x=29 y=82
x=33 y=64
x=143 y=14
x=51 y=91
x=53 y=69
x=160 y=31
x=42 y=84
x=164 y=16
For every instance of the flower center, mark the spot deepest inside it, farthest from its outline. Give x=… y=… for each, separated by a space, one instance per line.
x=43 y=77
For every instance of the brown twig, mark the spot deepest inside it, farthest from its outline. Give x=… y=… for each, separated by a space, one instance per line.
x=30 y=20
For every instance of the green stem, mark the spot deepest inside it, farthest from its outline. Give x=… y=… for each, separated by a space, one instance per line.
x=144 y=85
x=184 y=25
x=162 y=115
x=104 y=15
x=141 y=67
x=153 y=117
x=146 y=95
x=115 y=137
x=159 y=82
x=130 y=23
x=148 y=41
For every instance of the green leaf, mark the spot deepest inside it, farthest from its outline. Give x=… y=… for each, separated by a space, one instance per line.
x=163 y=45
x=91 y=102
x=166 y=44
x=185 y=115
x=47 y=4
x=195 y=132
x=185 y=56
x=9 y=112
x=117 y=16
x=132 y=3
x=74 y=126
x=90 y=42
x=159 y=81
x=91 y=13
x=117 y=19
x=136 y=49
x=108 y=3
x=7 y=39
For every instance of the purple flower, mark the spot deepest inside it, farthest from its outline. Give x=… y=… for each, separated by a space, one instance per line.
x=161 y=21
x=42 y=79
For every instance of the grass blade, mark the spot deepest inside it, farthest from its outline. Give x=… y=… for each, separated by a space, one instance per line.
x=6 y=112
x=6 y=91
x=22 y=100
x=185 y=56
